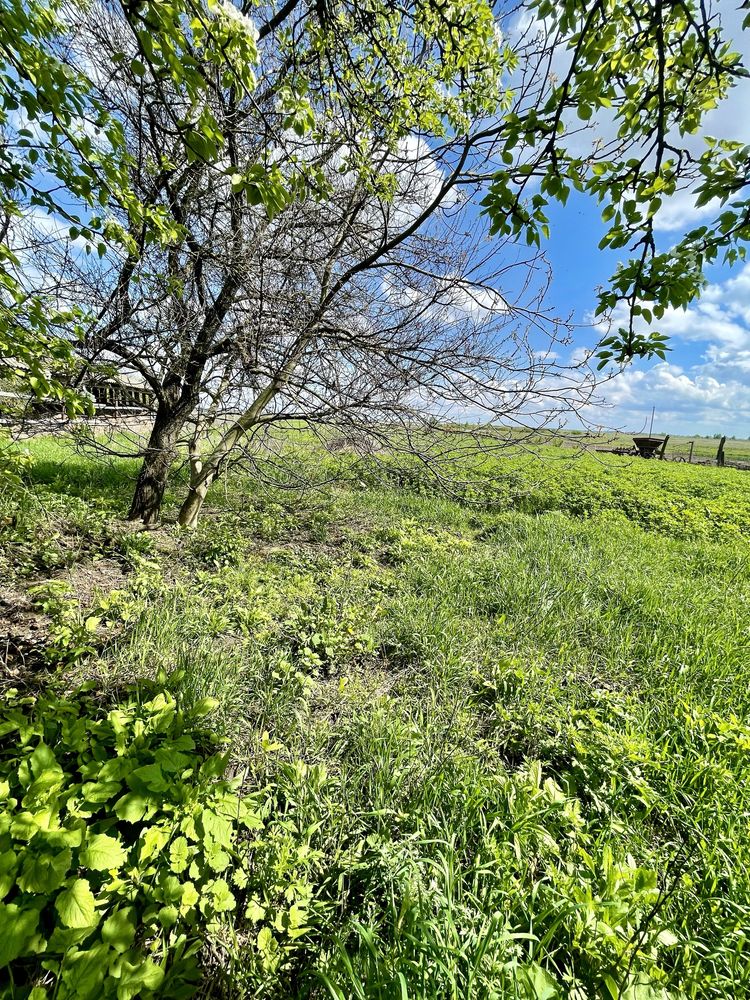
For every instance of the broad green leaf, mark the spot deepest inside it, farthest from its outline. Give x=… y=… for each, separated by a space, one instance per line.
x=103 y=853
x=205 y=706
x=42 y=759
x=131 y=807
x=217 y=828
x=140 y=975
x=216 y=857
x=179 y=855
x=84 y=971
x=100 y=791
x=44 y=873
x=190 y=897
x=119 y=929
x=149 y=777
x=65 y=937
x=24 y=826
x=538 y=983
x=76 y=905
x=18 y=928
x=222 y=897
x=168 y=916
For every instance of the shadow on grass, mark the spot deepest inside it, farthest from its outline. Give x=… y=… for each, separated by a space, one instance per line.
x=60 y=467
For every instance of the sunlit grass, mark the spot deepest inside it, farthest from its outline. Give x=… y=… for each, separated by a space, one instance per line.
x=511 y=744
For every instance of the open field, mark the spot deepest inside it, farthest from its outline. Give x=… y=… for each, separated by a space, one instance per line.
x=489 y=746
x=735 y=449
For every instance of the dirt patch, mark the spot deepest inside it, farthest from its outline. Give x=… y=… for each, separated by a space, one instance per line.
x=23 y=637
x=91 y=578
x=25 y=629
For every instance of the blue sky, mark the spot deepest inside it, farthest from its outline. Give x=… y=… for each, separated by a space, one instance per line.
x=704 y=386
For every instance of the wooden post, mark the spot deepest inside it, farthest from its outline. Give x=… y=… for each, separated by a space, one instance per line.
x=720 y=452
x=690 y=456
x=663 y=448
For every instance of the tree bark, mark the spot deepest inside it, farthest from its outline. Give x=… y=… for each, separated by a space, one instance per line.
x=191 y=508
x=202 y=474
x=154 y=473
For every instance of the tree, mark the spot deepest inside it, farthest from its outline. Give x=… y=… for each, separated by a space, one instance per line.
x=64 y=156
x=540 y=75
x=172 y=309
x=379 y=313
x=342 y=309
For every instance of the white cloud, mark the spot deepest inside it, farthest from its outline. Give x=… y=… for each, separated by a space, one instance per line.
x=679 y=213
x=686 y=402
x=708 y=393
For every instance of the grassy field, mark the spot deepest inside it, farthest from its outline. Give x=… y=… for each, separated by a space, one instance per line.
x=704 y=448
x=376 y=742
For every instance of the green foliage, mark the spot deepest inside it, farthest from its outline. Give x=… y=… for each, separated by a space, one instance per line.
x=201 y=52
x=13 y=464
x=667 y=497
x=71 y=632
x=122 y=846
x=35 y=337
x=494 y=752
x=655 y=70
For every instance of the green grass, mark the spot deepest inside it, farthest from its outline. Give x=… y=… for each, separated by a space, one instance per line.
x=735 y=449
x=507 y=737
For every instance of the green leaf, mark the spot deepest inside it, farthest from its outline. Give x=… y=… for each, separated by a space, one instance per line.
x=179 y=855
x=216 y=857
x=24 y=826
x=667 y=939
x=150 y=777
x=221 y=895
x=190 y=897
x=141 y=975
x=217 y=828
x=119 y=929
x=76 y=905
x=41 y=759
x=153 y=840
x=538 y=983
x=84 y=971
x=18 y=928
x=44 y=873
x=103 y=853
x=131 y=807
x=66 y=937
x=100 y=791
x=205 y=706
x=168 y=916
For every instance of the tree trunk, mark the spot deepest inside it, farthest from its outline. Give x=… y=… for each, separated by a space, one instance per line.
x=202 y=474
x=154 y=474
x=191 y=508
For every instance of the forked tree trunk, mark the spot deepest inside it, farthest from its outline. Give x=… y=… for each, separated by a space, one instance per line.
x=202 y=474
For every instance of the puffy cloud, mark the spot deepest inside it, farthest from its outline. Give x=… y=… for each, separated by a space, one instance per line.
x=679 y=213
x=705 y=384
x=686 y=401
